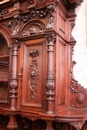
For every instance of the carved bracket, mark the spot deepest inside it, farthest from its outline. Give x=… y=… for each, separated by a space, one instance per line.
x=77 y=125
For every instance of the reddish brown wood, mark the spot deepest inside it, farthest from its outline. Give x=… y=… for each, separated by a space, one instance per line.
x=39 y=92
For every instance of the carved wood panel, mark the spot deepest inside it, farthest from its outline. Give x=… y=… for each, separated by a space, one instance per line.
x=33 y=71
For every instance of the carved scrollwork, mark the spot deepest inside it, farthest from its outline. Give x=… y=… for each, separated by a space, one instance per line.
x=78 y=93
x=3 y=12
x=33 y=75
x=77 y=125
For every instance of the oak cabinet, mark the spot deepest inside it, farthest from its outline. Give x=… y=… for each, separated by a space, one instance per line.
x=37 y=87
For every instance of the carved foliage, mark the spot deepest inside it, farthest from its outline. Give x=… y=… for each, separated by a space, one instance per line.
x=40 y=14
x=14 y=24
x=33 y=73
x=35 y=14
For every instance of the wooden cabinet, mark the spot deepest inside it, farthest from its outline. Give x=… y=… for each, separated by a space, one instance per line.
x=37 y=87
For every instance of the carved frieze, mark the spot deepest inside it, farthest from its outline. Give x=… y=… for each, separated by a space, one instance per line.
x=35 y=14
x=33 y=75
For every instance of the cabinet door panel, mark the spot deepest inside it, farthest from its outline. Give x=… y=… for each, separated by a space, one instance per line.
x=34 y=75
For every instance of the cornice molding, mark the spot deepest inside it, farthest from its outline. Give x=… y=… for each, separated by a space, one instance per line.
x=74 y=3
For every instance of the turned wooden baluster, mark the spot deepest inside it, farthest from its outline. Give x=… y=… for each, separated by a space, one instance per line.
x=14 y=79
x=50 y=75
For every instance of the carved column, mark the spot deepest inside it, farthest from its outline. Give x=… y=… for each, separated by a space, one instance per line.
x=50 y=75
x=14 y=79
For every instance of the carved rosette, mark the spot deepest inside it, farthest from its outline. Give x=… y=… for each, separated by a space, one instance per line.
x=14 y=79
x=33 y=76
x=50 y=81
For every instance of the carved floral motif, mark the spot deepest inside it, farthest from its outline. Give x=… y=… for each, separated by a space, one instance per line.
x=33 y=75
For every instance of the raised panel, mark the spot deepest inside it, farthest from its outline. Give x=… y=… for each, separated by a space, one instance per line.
x=62 y=25
x=34 y=74
x=62 y=73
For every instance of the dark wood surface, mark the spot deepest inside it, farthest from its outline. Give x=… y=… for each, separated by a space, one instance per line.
x=37 y=87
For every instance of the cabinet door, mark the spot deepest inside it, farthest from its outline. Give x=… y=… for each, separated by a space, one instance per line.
x=4 y=70
x=34 y=75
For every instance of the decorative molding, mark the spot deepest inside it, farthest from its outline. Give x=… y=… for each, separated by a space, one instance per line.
x=33 y=75
x=73 y=2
